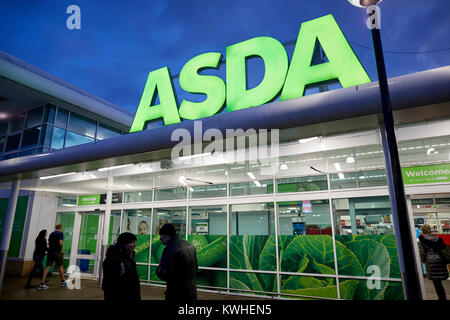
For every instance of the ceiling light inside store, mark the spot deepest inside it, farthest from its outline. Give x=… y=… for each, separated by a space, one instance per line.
x=308 y=139
x=194 y=156
x=341 y=175
x=182 y=180
x=57 y=175
x=251 y=175
x=257 y=183
x=284 y=167
x=337 y=166
x=115 y=167
x=350 y=160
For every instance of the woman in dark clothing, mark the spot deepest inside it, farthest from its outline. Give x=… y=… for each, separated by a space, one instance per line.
x=38 y=256
x=429 y=246
x=120 y=277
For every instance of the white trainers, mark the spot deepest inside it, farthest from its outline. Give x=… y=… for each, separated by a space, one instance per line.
x=42 y=287
x=64 y=284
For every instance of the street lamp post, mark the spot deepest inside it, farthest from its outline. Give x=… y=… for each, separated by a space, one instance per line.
x=402 y=225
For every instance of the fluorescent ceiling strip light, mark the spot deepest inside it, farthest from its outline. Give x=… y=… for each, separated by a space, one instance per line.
x=337 y=166
x=257 y=183
x=308 y=139
x=57 y=175
x=341 y=175
x=251 y=175
x=115 y=167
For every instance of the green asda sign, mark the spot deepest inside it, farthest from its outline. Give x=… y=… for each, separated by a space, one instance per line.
x=89 y=200
x=288 y=80
x=426 y=174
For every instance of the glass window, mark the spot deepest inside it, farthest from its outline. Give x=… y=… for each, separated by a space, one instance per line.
x=31 y=138
x=3 y=126
x=105 y=132
x=2 y=143
x=66 y=219
x=29 y=152
x=308 y=286
x=245 y=282
x=363 y=179
x=252 y=240
x=251 y=188
x=16 y=123
x=12 y=142
x=67 y=201
x=11 y=156
x=49 y=113
x=61 y=118
x=74 y=139
x=114 y=226
x=208 y=191
x=47 y=136
x=170 y=194
x=138 y=196
x=82 y=125
x=58 y=138
x=161 y=216
x=352 y=289
x=302 y=184
x=363 y=216
x=34 y=117
x=137 y=221
x=208 y=229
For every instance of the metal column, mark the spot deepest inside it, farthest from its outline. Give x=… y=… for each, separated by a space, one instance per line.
x=7 y=228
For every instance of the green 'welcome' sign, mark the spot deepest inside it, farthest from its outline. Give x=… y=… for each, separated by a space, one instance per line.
x=280 y=77
x=89 y=200
x=426 y=174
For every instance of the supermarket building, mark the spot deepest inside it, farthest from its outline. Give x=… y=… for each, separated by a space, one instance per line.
x=311 y=229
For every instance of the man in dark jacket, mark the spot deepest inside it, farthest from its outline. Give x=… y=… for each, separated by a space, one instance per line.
x=429 y=246
x=178 y=266
x=120 y=277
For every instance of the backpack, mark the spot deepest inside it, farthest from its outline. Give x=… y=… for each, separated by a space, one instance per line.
x=445 y=254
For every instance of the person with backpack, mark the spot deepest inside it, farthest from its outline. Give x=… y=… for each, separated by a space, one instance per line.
x=38 y=256
x=430 y=247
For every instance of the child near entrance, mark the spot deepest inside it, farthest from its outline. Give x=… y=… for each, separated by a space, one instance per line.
x=55 y=255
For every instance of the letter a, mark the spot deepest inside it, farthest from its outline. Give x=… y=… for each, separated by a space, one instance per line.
x=157 y=81
x=342 y=62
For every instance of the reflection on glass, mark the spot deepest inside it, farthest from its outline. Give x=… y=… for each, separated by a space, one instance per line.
x=74 y=139
x=66 y=219
x=30 y=138
x=114 y=226
x=49 y=113
x=208 y=191
x=105 y=132
x=251 y=188
x=363 y=179
x=208 y=230
x=170 y=194
x=137 y=221
x=161 y=216
x=58 y=138
x=34 y=117
x=67 y=201
x=305 y=217
x=302 y=184
x=82 y=125
x=16 y=123
x=138 y=196
x=61 y=118
x=370 y=215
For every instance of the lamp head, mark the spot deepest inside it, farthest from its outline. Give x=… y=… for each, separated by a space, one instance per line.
x=363 y=3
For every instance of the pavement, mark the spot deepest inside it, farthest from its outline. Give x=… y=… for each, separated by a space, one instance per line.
x=13 y=289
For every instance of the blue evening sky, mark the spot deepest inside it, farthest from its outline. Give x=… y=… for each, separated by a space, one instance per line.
x=120 y=42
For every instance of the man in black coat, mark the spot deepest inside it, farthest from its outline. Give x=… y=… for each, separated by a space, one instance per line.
x=120 y=277
x=178 y=266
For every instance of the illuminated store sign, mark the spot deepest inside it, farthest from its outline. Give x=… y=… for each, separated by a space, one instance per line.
x=288 y=80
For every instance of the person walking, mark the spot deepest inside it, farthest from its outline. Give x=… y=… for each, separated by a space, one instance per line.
x=178 y=266
x=55 y=256
x=120 y=276
x=429 y=246
x=38 y=256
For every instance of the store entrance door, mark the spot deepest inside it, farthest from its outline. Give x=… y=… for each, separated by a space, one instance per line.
x=86 y=242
